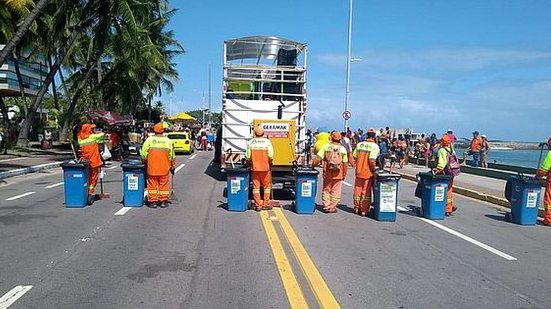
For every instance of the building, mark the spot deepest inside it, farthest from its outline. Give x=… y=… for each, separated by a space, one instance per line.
x=32 y=76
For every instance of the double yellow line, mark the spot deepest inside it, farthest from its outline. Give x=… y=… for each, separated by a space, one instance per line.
x=291 y=285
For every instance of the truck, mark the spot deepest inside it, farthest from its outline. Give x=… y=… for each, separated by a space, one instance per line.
x=264 y=84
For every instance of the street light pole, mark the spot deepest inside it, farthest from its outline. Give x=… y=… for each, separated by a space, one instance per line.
x=210 y=111
x=347 y=94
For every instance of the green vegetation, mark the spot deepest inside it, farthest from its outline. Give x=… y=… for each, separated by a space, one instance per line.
x=107 y=54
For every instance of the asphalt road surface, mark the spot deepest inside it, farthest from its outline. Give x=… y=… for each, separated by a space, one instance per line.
x=196 y=254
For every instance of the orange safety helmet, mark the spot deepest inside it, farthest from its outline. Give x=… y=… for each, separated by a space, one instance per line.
x=258 y=132
x=158 y=128
x=445 y=140
x=336 y=136
x=85 y=130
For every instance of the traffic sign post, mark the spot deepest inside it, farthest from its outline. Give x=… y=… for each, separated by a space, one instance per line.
x=346 y=115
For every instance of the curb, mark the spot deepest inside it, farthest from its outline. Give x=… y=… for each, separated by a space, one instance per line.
x=474 y=194
x=30 y=169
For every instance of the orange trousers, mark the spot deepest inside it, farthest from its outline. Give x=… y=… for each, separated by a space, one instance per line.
x=93 y=175
x=547 y=202
x=158 y=188
x=331 y=194
x=362 y=194
x=262 y=180
x=449 y=200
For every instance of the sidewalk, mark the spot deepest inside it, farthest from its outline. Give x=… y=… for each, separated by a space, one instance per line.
x=18 y=162
x=478 y=187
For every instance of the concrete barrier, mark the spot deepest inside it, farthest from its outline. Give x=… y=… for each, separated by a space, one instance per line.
x=30 y=169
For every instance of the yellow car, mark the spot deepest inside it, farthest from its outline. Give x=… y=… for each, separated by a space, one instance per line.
x=181 y=142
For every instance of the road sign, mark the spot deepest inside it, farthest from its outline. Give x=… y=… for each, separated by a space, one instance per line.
x=346 y=115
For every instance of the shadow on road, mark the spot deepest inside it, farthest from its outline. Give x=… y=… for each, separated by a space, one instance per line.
x=213 y=170
x=500 y=217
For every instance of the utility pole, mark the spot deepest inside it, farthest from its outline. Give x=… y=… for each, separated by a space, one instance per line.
x=210 y=94
x=347 y=94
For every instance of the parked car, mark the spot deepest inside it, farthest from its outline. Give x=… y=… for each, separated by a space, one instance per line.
x=181 y=142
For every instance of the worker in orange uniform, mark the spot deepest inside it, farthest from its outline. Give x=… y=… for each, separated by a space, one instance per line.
x=260 y=154
x=89 y=151
x=544 y=171
x=158 y=154
x=444 y=151
x=335 y=167
x=366 y=154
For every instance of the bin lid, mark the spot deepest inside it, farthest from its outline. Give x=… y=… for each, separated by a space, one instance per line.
x=73 y=164
x=382 y=176
x=133 y=162
x=530 y=180
x=132 y=166
x=306 y=171
x=237 y=170
x=430 y=175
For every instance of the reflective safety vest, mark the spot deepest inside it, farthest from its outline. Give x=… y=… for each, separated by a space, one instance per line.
x=442 y=154
x=365 y=151
x=329 y=173
x=259 y=152
x=545 y=167
x=158 y=152
x=89 y=149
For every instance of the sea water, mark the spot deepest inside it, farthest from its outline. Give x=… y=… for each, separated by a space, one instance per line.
x=525 y=158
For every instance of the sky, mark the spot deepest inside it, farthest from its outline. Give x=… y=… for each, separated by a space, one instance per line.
x=427 y=65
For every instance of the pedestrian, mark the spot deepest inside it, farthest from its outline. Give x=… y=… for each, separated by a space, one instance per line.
x=449 y=132
x=348 y=146
x=365 y=154
x=260 y=154
x=444 y=152
x=420 y=148
x=88 y=144
x=484 y=149
x=158 y=154
x=335 y=161
x=474 y=149
x=383 y=151
x=544 y=171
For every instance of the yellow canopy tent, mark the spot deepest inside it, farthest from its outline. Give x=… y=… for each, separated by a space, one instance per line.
x=182 y=116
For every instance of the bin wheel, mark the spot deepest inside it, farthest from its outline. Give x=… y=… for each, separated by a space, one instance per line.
x=419 y=211
x=508 y=217
x=250 y=204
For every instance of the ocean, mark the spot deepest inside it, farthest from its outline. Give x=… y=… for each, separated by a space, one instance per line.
x=525 y=158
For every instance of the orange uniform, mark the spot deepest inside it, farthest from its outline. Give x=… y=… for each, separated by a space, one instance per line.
x=366 y=154
x=159 y=155
x=544 y=171
x=332 y=178
x=260 y=153
x=89 y=151
x=443 y=153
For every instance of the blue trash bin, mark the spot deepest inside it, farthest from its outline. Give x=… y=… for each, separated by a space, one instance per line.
x=525 y=197
x=434 y=195
x=237 y=187
x=306 y=183
x=75 y=182
x=385 y=193
x=133 y=183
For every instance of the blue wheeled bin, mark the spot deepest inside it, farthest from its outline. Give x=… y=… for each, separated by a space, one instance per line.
x=133 y=183
x=525 y=196
x=385 y=193
x=75 y=183
x=237 y=187
x=306 y=183
x=434 y=195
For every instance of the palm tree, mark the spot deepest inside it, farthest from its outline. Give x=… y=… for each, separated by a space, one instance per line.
x=39 y=8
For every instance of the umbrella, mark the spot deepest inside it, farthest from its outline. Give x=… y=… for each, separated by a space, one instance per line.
x=182 y=116
x=110 y=118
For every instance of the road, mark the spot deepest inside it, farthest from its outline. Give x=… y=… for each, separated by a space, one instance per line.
x=195 y=254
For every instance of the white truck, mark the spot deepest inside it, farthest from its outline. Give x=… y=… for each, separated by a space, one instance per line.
x=264 y=84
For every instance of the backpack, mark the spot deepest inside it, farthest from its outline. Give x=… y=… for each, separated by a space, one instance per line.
x=453 y=167
x=334 y=158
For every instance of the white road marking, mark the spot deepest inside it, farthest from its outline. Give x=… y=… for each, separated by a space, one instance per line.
x=179 y=168
x=347 y=184
x=400 y=208
x=193 y=157
x=469 y=239
x=19 y=196
x=13 y=295
x=122 y=211
x=54 y=185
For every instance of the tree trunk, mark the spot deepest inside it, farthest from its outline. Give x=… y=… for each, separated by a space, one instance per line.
x=22 y=139
x=54 y=90
x=4 y=111
x=64 y=84
x=20 y=82
x=67 y=121
x=39 y=8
